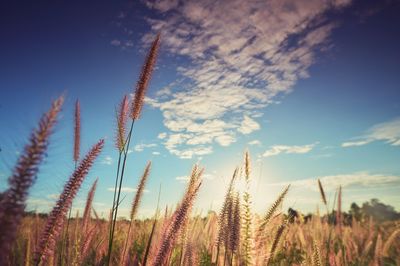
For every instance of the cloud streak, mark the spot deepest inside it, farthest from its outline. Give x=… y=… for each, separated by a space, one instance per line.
x=142 y=146
x=279 y=149
x=108 y=160
x=388 y=132
x=127 y=189
x=243 y=55
x=359 y=179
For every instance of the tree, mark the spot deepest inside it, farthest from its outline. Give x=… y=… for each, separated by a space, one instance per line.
x=378 y=211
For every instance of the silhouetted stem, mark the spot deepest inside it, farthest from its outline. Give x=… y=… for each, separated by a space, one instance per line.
x=114 y=218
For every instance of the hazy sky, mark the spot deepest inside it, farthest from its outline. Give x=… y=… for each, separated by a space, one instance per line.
x=310 y=88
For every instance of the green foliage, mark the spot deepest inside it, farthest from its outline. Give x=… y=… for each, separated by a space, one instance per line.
x=291 y=256
x=205 y=258
x=374 y=208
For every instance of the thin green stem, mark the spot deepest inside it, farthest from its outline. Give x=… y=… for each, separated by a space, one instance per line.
x=115 y=194
x=114 y=218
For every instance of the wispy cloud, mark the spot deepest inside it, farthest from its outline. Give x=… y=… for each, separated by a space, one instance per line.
x=53 y=196
x=360 y=179
x=127 y=189
x=142 y=146
x=248 y=125
x=162 y=135
x=124 y=45
x=41 y=204
x=240 y=61
x=107 y=160
x=185 y=179
x=115 y=42
x=278 y=149
x=255 y=142
x=388 y=132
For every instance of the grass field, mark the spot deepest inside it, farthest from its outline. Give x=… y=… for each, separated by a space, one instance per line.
x=176 y=236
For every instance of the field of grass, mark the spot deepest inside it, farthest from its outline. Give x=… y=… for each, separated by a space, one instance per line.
x=175 y=236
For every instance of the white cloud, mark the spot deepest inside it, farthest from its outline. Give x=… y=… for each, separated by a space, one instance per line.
x=240 y=61
x=162 y=5
x=225 y=140
x=248 y=125
x=331 y=182
x=107 y=160
x=156 y=153
x=39 y=204
x=189 y=153
x=278 y=149
x=116 y=42
x=388 y=132
x=127 y=189
x=255 y=142
x=162 y=135
x=355 y=143
x=185 y=179
x=142 y=146
x=53 y=196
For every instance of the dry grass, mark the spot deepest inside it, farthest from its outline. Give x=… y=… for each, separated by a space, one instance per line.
x=296 y=243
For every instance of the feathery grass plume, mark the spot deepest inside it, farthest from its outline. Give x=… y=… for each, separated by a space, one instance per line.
x=389 y=242
x=77 y=242
x=28 y=250
x=190 y=257
x=367 y=248
x=75 y=157
x=378 y=250
x=86 y=244
x=139 y=191
x=144 y=79
x=323 y=197
x=136 y=108
x=275 y=243
x=228 y=224
x=322 y=192
x=77 y=131
x=88 y=207
x=13 y=200
x=122 y=117
x=135 y=206
x=223 y=214
x=316 y=259
x=179 y=217
x=96 y=215
x=57 y=216
x=247 y=165
x=148 y=245
x=153 y=227
x=339 y=209
x=271 y=211
x=247 y=215
x=235 y=226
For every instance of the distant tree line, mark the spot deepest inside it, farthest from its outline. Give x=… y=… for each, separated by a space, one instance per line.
x=374 y=209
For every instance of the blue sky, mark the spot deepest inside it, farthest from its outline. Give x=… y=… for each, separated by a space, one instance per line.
x=310 y=88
